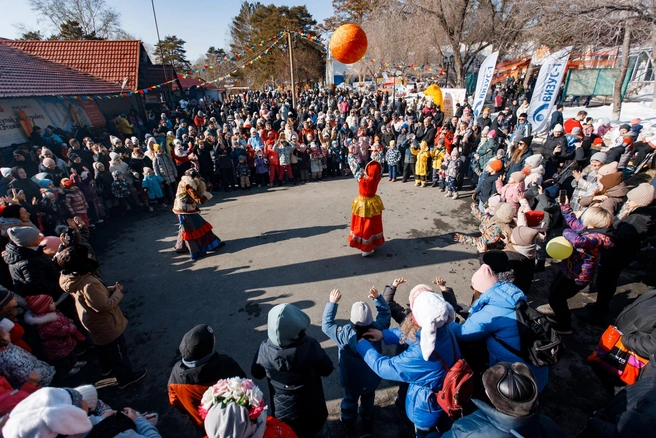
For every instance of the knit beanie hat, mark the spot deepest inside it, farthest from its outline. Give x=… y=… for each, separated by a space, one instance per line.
x=116 y=174
x=89 y=395
x=496 y=165
x=23 y=236
x=607 y=169
x=496 y=259
x=511 y=388
x=5 y=297
x=361 y=314
x=643 y=195
x=38 y=303
x=45 y=183
x=625 y=126
x=484 y=278
x=286 y=323
x=147 y=170
x=485 y=131
x=430 y=311
x=418 y=289
x=112 y=155
x=47 y=413
x=524 y=236
x=505 y=212
x=599 y=156
x=527 y=140
x=197 y=343
x=47 y=162
x=610 y=181
x=517 y=177
x=492 y=134
x=68 y=183
x=534 y=161
x=558 y=128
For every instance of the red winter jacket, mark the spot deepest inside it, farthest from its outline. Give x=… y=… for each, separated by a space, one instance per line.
x=58 y=334
x=9 y=397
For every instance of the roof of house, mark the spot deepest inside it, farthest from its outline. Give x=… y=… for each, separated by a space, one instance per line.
x=23 y=75
x=189 y=82
x=158 y=74
x=112 y=61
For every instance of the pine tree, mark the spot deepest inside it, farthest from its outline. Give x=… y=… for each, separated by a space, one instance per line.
x=170 y=51
x=350 y=11
x=241 y=29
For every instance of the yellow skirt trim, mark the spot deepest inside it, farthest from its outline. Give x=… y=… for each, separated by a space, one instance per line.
x=367 y=207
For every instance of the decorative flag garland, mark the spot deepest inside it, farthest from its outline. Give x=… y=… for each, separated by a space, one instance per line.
x=276 y=38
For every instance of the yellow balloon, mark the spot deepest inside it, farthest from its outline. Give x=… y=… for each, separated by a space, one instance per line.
x=559 y=248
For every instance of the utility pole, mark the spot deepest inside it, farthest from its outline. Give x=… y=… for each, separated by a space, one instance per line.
x=291 y=68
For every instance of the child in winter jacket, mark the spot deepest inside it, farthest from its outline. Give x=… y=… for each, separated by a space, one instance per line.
x=49 y=212
x=303 y=163
x=392 y=157
x=421 y=167
x=121 y=191
x=261 y=168
x=153 y=185
x=293 y=364
x=452 y=173
x=243 y=172
x=438 y=154
x=164 y=167
x=487 y=186
x=57 y=333
x=589 y=236
x=316 y=162
x=514 y=190
x=16 y=364
x=75 y=203
x=536 y=169
x=358 y=380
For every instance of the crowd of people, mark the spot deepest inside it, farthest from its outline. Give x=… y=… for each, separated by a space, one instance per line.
x=463 y=369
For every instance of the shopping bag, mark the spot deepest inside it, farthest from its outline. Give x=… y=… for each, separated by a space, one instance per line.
x=613 y=357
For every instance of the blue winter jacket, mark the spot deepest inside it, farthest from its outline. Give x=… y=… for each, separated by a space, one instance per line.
x=487 y=422
x=493 y=316
x=423 y=376
x=152 y=185
x=354 y=374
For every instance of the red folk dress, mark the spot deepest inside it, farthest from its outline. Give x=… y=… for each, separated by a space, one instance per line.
x=367 y=208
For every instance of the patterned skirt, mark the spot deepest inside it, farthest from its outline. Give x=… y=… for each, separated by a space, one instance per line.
x=197 y=235
x=366 y=223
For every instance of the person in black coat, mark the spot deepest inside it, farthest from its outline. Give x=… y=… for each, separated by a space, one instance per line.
x=201 y=366
x=293 y=364
x=557 y=117
x=631 y=413
x=23 y=160
x=205 y=163
x=553 y=151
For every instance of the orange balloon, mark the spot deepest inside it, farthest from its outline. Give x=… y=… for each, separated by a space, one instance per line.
x=348 y=43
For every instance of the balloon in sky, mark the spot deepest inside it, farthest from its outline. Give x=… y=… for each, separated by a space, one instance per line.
x=348 y=43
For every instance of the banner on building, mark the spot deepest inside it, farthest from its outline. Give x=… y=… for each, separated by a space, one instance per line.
x=44 y=111
x=485 y=75
x=545 y=92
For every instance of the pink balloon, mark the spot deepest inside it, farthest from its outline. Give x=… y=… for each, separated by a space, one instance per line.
x=51 y=244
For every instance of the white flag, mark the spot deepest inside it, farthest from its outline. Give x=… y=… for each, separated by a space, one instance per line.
x=485 y=74
x=546 y=89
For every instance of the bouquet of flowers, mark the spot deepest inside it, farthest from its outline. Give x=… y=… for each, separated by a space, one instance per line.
x=243 y=392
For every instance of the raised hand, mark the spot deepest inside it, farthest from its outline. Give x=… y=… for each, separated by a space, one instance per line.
x=335 y=296
x=373 y=293
x=398 y=281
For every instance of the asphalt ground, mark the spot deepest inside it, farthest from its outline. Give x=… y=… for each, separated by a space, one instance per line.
x=289 y=245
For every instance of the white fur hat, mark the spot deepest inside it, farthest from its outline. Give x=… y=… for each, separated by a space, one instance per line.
x=46 y=413
x=431 y=312
x=534 y=160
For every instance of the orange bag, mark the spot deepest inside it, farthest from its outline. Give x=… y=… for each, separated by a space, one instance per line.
x=612 y=356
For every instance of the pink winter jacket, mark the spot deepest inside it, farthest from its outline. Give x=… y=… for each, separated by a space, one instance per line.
x=511 y=192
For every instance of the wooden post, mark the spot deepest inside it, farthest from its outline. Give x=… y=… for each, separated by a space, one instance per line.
x=291 y=68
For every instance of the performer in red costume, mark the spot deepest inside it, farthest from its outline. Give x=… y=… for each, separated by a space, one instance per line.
x=367 y=218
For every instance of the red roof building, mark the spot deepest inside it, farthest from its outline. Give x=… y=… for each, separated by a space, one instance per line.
x=125 y=63
x=23 y=75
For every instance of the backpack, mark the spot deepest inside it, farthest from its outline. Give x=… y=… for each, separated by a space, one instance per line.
x=539 y=343
x=458 y=385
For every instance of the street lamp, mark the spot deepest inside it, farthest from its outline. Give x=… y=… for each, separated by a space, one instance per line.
x=448 y=62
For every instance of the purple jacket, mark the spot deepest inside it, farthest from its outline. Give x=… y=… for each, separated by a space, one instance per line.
x=588 y=244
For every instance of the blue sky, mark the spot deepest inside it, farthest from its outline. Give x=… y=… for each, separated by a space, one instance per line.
x=201 y=23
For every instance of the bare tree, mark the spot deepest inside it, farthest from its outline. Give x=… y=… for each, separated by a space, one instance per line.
x=94 y=17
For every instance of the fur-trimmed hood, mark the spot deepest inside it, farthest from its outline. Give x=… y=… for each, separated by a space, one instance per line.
x=40 y=319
